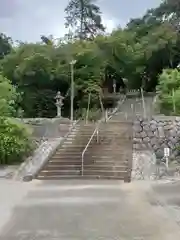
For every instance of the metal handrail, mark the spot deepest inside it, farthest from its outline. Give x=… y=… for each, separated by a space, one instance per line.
x=96 y=131
x=85 y=149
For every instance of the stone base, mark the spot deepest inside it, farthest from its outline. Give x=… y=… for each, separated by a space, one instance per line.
x=28 y=178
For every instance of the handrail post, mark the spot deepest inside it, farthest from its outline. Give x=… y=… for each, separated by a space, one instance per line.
x=82 y=166
x=85 y=149
x=106 y=115
x=97 y=134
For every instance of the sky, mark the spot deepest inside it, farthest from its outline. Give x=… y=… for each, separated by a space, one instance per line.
x=27 y=20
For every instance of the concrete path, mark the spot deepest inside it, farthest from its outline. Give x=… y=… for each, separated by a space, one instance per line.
x=169 y=196
x=87 y=210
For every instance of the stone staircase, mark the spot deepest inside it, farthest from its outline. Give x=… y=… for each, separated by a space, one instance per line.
x=66 y=162
x=109 y=158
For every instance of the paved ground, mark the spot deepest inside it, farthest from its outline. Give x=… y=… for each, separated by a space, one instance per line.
x=169 y=196
x=12 y=193
x=89 y=210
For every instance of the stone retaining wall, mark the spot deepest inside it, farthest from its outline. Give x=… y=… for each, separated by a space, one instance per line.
x=156 y=134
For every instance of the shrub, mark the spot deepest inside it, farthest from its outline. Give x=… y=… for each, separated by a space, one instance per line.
x=8 y=98
x=169 y=92
x=15 y=143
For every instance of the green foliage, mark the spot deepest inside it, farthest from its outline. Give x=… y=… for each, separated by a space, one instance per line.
x=138 y=53
x=14 y=141
x=42 y=70
x=8 y=98
x=169 y=91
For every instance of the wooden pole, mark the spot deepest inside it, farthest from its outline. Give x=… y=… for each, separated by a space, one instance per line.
x=173 y=100
x=143 y=102
x=87 y=113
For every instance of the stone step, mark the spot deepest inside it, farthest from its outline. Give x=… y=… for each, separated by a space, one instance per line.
x=79 y=141
x=67 y=166
x=99 y=155
x=105 y=168
x=76 y=144
x=105 y=173
x=70 y=150
x=73 y=147
x=85 y=133
x=79 y=137
x=73 y=161
x=55 y=172
x=77 y=161
x=86 y=167
x=108 y=161
x=104 y=153
x=86 y=177
x=122 y=137
x=117 y=131
x=120 y=142
x=107 y=153
x=87 y=156
x=91 y=150
x=69 y=155
x=111 y=128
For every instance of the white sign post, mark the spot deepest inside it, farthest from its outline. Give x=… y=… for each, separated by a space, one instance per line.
x=166 y=155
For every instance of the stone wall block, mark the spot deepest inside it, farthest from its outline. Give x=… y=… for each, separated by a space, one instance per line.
x=137 y=128
x=154 y=141
x=173 y=133
x=150 y=134
x=153 y=127
x=161 y=132
x=158 y=133
x=167 y=127
x=155 y=147
x=146 y=140
x=173 y=140
x=159 y=153
x=137 y=140
x=143 y=134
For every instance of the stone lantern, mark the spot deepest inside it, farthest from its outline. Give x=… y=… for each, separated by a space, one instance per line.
x=114 y=86
x=59 y=103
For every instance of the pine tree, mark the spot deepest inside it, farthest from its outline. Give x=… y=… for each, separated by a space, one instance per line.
x=84 y=17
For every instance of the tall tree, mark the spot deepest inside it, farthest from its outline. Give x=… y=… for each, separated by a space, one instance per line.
x=5 y=45
x=85 y=17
